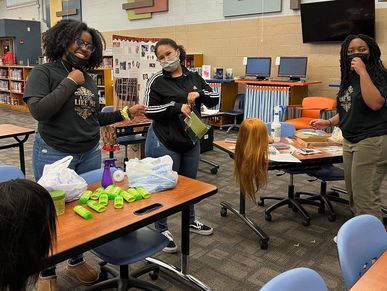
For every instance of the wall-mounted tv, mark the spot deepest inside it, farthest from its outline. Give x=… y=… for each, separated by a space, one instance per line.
x=329 y=21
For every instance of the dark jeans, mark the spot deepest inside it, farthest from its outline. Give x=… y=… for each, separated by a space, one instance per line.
x=185 y=164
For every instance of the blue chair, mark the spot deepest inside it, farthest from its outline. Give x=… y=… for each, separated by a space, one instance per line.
x=299 y=279
x=127 y=136
x=133 y=247
x=10 y=172
x=360 y=241
x=238 y=111
x=288 y=130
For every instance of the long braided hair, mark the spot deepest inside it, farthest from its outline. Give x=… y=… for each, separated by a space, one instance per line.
x=375 y=67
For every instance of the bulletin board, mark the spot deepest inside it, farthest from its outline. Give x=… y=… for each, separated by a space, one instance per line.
x=134 y=62
x=246 y=7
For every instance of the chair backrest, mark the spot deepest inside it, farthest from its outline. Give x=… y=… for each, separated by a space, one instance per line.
x=317 y=102
x=108 y=109
x=287 y=129
x=10 y=172
x=360 y=241
x=95 y=176
x=299 y=279
x=239 y=104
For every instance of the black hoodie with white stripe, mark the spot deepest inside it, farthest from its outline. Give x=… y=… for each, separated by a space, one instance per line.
x=165 y=96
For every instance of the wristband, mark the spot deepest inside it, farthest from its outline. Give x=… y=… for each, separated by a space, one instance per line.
x=126 y=113
x=85 y=196
x=133 y=192
x=330 y=122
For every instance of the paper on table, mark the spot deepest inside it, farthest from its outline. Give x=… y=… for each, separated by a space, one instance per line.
x=284 y=158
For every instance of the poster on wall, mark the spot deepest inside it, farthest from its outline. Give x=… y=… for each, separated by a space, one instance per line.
x=134 y=62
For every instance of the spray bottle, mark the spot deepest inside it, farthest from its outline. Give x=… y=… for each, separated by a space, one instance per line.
x=276 y=125
x=107 y=175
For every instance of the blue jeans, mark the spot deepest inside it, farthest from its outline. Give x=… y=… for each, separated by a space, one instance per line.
x=185 y=164
x=43 y=154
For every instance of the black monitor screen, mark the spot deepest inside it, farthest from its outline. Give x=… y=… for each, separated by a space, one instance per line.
x=327 y=21
x=258 y=67
x=293 y=67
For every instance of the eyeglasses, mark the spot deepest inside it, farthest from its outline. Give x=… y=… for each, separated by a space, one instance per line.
x=79 y=42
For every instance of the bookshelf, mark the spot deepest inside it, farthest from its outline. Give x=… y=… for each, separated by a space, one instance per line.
x=104 y=79
x=193 y=61
x=12 y=84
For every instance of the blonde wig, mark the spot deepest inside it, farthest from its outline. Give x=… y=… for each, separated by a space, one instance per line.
x=251 y=156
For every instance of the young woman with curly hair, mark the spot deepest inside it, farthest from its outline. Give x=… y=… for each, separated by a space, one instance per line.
x=362 y=117
x=64 y=99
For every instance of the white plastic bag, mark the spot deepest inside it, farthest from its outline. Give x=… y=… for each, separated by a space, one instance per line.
x=57 y=176
x=154 y=174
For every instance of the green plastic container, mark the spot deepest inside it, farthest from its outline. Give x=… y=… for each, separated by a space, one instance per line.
x=58 y=197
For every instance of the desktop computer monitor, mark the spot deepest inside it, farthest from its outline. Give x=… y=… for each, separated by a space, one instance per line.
x=258 y=67
x=293 y=67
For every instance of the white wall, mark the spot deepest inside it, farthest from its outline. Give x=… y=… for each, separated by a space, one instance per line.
x=109 y=16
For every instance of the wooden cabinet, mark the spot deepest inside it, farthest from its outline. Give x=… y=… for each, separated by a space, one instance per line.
x=12 y=84
x=193 y=61
x=104 y=80
x=228 y=90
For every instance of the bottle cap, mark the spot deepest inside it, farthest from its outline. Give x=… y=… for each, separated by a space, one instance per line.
x=118 y=176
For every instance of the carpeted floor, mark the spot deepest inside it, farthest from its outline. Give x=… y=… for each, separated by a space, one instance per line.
x=231 y=258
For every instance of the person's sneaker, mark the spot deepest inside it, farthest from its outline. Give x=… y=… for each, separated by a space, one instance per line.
x=85 y=273
x=46 y=283
x=200 y=228
x=335 y=239
x=171 y=246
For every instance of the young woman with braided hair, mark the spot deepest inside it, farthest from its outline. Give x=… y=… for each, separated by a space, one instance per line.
x=362 y=117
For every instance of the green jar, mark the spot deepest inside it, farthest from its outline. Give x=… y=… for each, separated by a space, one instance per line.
x=58 y=197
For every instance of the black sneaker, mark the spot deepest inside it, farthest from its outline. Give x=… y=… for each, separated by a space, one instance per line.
x=200 y=228
x=171 y=246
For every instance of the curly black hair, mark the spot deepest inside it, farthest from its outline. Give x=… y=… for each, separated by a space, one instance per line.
x=375 y=67
x=28 y=232
x=61 y=35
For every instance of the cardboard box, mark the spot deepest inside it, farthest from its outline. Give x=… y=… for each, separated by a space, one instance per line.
x=311 y=144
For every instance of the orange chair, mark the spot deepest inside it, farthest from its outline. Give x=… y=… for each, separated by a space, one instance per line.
x=312 y=108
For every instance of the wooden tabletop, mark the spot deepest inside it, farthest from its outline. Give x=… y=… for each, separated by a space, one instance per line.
x=278 y=83
x=76 y=235
x=375 y=279
x=10 y=130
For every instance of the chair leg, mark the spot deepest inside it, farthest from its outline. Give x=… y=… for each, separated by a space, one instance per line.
x=327 y=203
x=146 y=269
x=111 y=283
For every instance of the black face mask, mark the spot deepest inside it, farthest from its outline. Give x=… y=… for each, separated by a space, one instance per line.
x=363 y=56
x=76 y=62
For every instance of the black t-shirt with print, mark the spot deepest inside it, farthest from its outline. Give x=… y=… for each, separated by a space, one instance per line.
x=74 y=128
x=357 y=120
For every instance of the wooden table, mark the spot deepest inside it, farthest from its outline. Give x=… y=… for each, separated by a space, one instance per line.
x=312 y=160
x=76 y=235
x=375 y=279
x=20 y=134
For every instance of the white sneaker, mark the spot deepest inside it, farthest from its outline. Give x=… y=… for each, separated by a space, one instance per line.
x=335 y=239
x=171 y=247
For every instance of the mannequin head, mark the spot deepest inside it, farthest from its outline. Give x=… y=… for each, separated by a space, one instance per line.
x=251 y=156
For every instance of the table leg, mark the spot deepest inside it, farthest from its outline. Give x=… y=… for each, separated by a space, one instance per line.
x=182 y=273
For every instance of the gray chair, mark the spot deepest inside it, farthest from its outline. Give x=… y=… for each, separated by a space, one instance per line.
x=238 y=111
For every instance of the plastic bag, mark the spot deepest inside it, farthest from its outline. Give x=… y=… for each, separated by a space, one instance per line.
x=57 y=176
x=195 y=128
x=337 y=135
x=153 y=174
